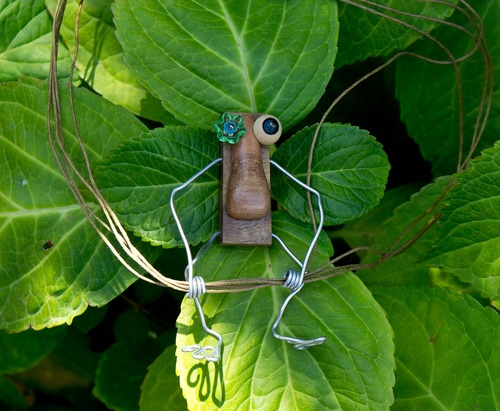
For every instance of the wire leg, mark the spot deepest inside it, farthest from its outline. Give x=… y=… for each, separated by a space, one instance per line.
x=197 y=284
x=298 y=343
x=295 y=279
x=207 y=352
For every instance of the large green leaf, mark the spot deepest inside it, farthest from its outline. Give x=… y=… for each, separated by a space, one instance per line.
x=100 y=59
x=349 y=170
x=365 y=34
x=52 y=263
x=75 y=354
x=10 y=396
x=447 y=349
x=202 y=58
x=26 y=40
x=363 y=231
x=406 y=268
x=428 y=93
x=23 y=350
x=138 y=178
x=123 y=367
x=352 y=370
x=160 y=389
x=469 y=232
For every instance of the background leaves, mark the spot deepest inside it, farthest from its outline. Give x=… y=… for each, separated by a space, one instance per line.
x=10 y=394
x=424 y=88
x=364 y=34
x=23 y=350
x=364 y=230
x=123 y=367
x=447 y=349
x=408 y=267
x=59 y=282
x=160 y=390
x=138 y=178
x=100 y=59
x=469 y=239
x=240 y=55
x=26 y=41
x=350 y=171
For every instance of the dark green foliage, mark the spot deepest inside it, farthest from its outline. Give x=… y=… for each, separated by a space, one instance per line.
x=151 y=77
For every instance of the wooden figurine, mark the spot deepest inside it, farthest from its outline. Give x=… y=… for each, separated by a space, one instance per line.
x=245 y=198
x=245 y=212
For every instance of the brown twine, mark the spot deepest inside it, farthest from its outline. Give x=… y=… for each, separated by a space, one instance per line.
x=329 y=270
x=111 y=224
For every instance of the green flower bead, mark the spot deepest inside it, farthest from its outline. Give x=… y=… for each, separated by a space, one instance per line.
x=229 y=128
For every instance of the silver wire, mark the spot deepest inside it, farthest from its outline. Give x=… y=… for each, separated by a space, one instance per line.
x=294 y=280
x=207 y=352
x=196 y=285
x=321 y=216
x=177 y=221
x=298 y=343
x=202 y=251
x=288 y=251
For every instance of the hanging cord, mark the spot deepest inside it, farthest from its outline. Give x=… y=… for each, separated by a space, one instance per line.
x=68 y=169
x=396 y=248
x=111 y=224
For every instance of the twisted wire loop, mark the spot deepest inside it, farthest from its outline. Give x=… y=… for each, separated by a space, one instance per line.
x=196 y=287
x=196 y=284
x=294 y=279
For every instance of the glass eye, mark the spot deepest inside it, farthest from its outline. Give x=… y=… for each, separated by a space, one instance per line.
x=267 y=129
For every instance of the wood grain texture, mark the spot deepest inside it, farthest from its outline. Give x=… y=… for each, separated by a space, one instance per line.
x=245 y=209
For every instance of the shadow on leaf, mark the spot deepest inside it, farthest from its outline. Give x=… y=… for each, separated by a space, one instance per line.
x=200 y=378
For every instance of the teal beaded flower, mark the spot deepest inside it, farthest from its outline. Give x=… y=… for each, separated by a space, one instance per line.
x=229 y=128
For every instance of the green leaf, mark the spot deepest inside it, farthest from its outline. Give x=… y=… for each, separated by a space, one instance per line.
x=365 y=34
x=406 y=268
x=447 y=349
x=53 y=264
x=469 y=238
x=75 y=355
x=90 y=319
x=26 y=41
x=124 y=366
x=353 y=369
x=147 y=293
x=138 y=178
x=100 y=59
x=204 y=58
x=431 y=112
x=363 y=231
x=10 y=395
x=349 y=170
x=23 y=350
x=160 y=389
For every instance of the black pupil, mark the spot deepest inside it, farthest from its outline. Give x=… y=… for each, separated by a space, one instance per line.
x=271 y=126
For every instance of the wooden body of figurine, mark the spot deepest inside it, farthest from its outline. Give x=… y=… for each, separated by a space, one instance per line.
x=245 y=210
